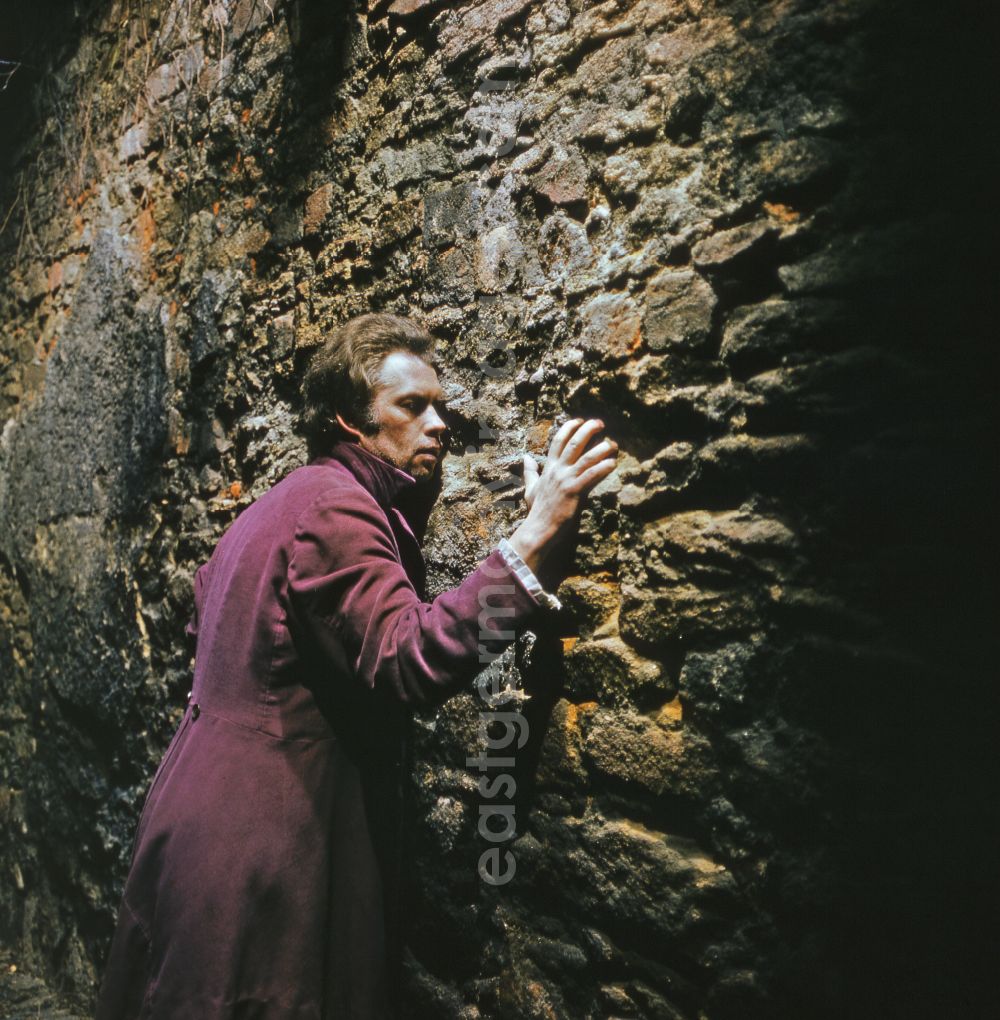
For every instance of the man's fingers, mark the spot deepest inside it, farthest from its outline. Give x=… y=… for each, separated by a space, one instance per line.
x=530 y=479
x=605 y=448
x=583 y=435
x=593 y=475
x=560 y=439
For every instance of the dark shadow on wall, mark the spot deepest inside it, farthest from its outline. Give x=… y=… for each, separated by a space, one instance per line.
x=915 y=506
x=905 y=535
x=34 y=42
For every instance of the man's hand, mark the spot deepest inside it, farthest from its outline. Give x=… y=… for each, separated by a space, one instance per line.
x=556 y=495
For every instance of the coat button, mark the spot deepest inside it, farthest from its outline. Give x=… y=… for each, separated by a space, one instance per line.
x=189 y=695
x=195 y=710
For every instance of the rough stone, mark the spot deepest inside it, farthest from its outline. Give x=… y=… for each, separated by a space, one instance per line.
x=611 y=672
x=500 y=255
x=565 y=252
x=688 y=575
x=623 y=175
x=450 y=213
x=633 y=749
x=404 y=8
x=758 y=335
x=134 y=141
x=728 y=245
x=679 y=310
x=472 y=27
x=611 y=325
x=317 y=209
x=563 y=179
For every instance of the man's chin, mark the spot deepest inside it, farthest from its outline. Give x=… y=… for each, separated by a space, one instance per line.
x=424 y=469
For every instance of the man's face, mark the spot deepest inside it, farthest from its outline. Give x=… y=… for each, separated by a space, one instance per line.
x=410 y=430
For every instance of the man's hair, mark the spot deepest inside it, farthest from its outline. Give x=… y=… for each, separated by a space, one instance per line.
x=343 y=373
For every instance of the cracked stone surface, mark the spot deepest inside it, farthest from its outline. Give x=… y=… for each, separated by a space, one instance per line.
x=751 y=237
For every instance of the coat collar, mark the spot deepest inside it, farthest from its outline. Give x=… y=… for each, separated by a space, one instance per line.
x=383 y=480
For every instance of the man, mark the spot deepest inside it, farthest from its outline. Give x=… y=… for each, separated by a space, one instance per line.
x=263 y=880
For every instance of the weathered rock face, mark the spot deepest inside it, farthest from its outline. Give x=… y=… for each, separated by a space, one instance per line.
x=751 y=782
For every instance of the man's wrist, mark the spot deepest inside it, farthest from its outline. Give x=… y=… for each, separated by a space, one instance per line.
x=527 y=576
x=529 y=545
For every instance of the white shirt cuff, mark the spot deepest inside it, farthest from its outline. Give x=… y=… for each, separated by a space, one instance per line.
x=527 y=577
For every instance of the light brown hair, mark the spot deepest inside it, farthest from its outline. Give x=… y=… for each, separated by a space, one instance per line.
x=343 y=373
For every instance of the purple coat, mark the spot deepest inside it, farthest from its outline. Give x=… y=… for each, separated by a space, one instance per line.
x=265 y=867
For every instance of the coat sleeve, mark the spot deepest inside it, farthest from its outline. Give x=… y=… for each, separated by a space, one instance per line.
x=348 y=588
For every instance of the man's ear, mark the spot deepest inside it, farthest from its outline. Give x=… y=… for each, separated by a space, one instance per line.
x=351 y=430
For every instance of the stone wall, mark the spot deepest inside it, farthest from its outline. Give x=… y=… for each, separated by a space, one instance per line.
x=741 y=233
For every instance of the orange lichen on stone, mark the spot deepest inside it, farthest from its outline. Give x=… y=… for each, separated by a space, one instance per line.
x=235 y=490
x=539 y=433
x=672 y=711
x=539 y=1000
x=782 y=212
x=572 y=713
x=43 y=349
x=146 y=228
x=568 y=643
x=636 y=342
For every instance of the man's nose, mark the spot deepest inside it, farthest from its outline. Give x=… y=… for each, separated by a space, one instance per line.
x=435 y=425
